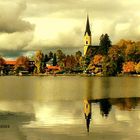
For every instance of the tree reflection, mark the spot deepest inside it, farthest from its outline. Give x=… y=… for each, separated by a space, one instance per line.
x=105 y=105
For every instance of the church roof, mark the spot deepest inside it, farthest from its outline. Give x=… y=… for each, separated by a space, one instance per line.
x=93 y=50
x=88 y=27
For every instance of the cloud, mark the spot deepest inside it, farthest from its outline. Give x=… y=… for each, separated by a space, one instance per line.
x=15 y=32
x=15 y=41
x=10 y=18
x=61 y=23
x=109 y=14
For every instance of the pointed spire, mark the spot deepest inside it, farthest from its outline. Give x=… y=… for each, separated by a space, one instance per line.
x=88 y=27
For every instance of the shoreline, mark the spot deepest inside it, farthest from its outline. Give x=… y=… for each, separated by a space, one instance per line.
x=82 y=75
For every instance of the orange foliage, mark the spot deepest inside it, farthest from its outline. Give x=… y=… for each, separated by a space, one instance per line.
x=129 y=67
x=125 y=43
x=2 y=61
x=138 y=68
x=70 y=61
x=116 y=51
x=97 y=59
x=22 y=61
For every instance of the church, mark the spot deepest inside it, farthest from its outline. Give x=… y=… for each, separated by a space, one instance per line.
x=89 y=49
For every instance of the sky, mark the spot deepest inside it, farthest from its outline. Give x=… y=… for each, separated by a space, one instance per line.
x=41 y=24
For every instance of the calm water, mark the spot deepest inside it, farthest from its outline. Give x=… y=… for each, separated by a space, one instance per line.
x=51 y=108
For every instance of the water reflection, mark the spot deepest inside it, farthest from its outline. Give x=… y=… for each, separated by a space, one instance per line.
x=11 y=122
x=105 y=106
x=57 y=107
x=65 y=119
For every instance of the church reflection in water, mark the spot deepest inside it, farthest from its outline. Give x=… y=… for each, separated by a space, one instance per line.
x=106 y=104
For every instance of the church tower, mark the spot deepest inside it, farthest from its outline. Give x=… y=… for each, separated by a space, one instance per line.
x=87 y=36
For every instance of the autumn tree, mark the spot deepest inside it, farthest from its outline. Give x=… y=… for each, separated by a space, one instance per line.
x=124 y=43
x=38 y=61
x=129 y=67
x=132 y=52
x=98 y=59
x=22 y=63
x=2 y=63
x=70 y=63
x=137 y=67
x=105 y=44
x=95 y=65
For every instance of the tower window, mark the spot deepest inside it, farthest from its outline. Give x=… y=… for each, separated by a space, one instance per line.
x=86 y=42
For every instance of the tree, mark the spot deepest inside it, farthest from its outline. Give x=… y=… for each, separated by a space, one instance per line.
x=95 y=65
x=105 y=107
x=109 y=67
x=138 y=68
x=2 y=63
x=105 y=44
x=38 y=62
x=50 y=55
x=132 y=52
x=129 y=67
x=22 y=63
x=124 y=43
x=117 y=54
x=60 y=58
x=70 y=62
x=78 y=56
x=54 y=60
x=60 y=55
x=98 y=59
x=46 y=58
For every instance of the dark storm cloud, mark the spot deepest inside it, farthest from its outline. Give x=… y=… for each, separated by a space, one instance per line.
x=120 y=19
x=15 y=32
x=10 y=18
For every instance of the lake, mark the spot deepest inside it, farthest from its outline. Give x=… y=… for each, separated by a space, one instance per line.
x=52 y=107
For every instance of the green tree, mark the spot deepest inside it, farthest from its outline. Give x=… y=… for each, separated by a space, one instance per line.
x=117 y=54
x=60 y=55
x=78 y=55
x=50 y=55
x=105 y=44
x=54 y=60
x=109 y=67
x=132 y=52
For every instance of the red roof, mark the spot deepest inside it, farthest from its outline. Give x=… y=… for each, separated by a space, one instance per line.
x=54 y=67
x=11 y=62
